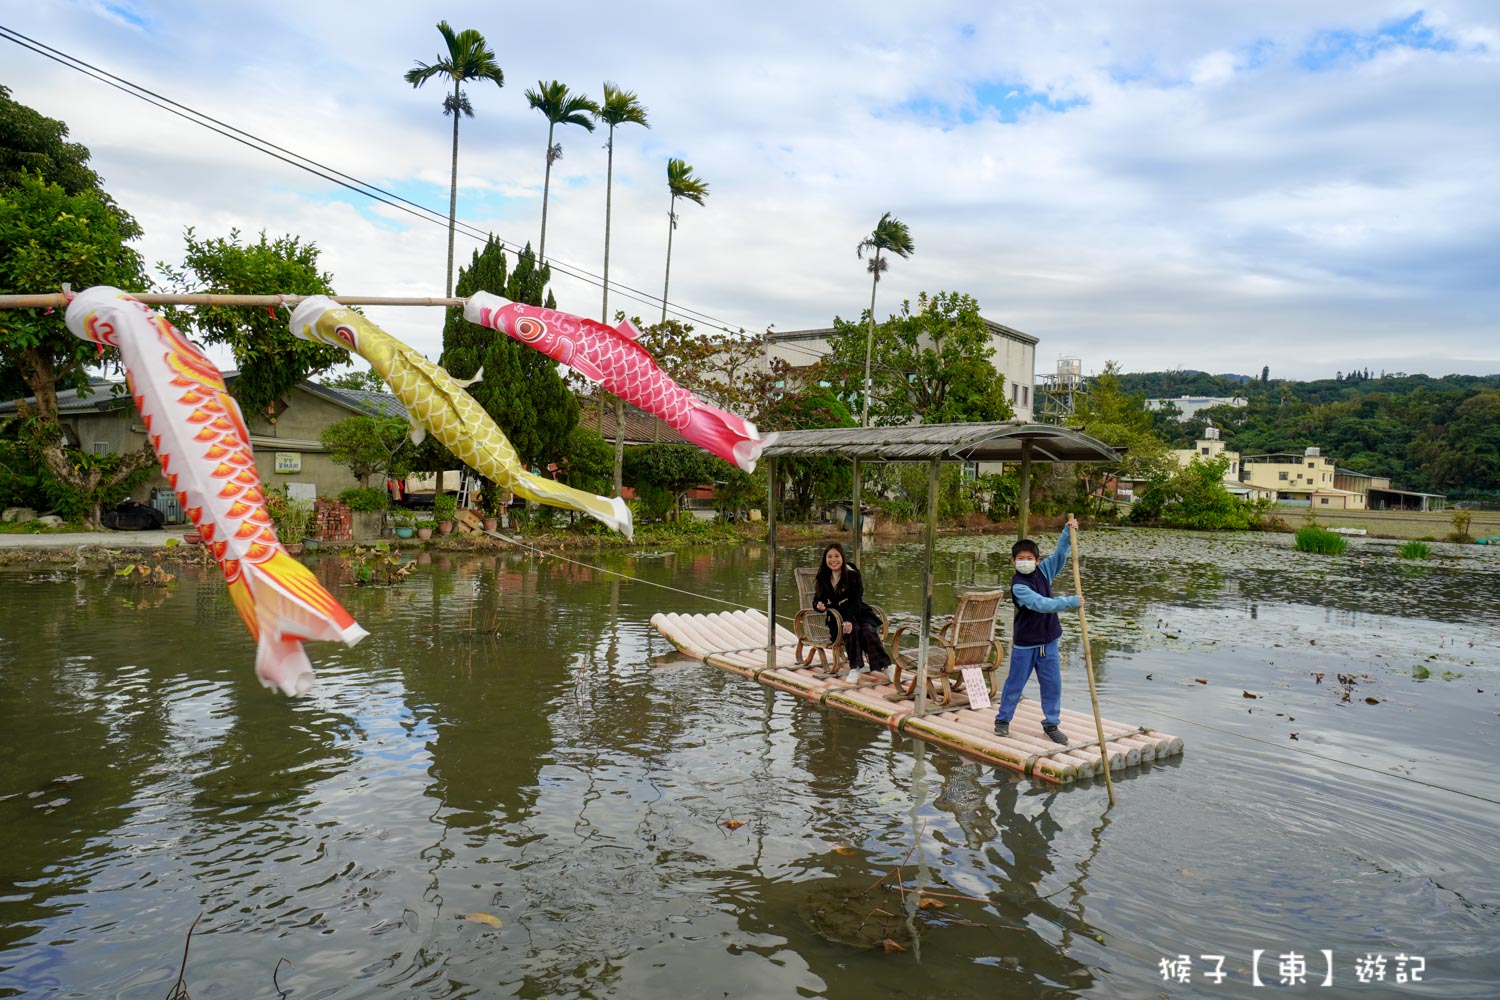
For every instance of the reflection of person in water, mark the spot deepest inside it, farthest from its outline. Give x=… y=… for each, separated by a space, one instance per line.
x=841 y=588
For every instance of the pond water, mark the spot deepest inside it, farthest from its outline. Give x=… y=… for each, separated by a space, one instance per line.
x=514 y=788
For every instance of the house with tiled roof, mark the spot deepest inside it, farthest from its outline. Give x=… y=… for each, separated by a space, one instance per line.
x=102 y=419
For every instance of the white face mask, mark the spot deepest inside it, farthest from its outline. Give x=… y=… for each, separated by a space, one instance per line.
x=1025 y=566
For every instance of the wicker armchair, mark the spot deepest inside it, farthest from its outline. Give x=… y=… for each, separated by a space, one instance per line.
x=966 y=640
x=811 y=627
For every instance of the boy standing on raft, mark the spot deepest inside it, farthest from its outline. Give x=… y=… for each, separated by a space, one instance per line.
x=1036 y=632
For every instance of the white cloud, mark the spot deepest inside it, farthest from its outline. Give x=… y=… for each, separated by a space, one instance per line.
x=1203 y=200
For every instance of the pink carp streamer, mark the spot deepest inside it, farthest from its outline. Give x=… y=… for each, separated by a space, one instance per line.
x=611 y=357
x=204 y=449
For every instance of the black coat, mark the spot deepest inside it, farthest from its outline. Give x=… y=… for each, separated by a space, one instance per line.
x=848 y=598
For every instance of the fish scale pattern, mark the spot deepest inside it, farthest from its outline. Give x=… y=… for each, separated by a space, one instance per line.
x=438 y=404
x=611 y=357
x=203 y=445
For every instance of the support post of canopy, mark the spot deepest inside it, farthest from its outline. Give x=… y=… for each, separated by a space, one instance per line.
x=857 y=518
x=919 y=705
x=771 y=563
x=1021 y=523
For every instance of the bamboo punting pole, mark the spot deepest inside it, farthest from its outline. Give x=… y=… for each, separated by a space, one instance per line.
x=1088 y=655
x=59 y=300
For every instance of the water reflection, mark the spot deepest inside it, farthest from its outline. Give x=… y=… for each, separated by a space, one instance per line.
x=503 y=745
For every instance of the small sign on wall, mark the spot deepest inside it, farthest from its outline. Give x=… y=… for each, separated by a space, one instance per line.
x=289 y=461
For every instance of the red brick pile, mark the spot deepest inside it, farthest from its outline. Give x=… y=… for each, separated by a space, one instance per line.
x=332 y=521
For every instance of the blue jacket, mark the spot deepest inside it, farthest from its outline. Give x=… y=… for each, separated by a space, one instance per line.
x=1036 y=621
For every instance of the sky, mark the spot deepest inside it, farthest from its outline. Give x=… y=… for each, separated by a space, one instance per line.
x=1309 y=186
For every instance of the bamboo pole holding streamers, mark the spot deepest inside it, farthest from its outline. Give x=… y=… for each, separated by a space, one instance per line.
x=1088 y=656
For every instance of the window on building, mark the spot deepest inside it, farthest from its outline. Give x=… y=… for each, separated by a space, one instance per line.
x=1323 y=500
x=101 y=448
x=1025 y=395
x=1234 y=468
x=1203 y=450
x=1309 y=465
x=1015 y=394
x=1282 y=476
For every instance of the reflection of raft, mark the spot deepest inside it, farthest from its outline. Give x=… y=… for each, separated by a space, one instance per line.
x=736 y=641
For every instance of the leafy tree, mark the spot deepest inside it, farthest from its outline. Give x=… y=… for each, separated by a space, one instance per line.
x=589 y=461
x=721 y=369
x=57 y=226
x=559 y=107
x=1195 y=497
x=932 y=364
x=469 y=58
x=672 y=469
x=359 y=379
x=520 y=389
x=367 y=445
x=889 y=236
x=271 y=361
x=681 y=184
x=619 y=107
x=790 y=403
x=1120 y=419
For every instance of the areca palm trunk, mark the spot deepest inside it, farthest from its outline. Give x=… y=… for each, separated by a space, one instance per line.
x=667 y=281
x=452 y=195
x=541 y=252
x=609 y=187
x=864 y=420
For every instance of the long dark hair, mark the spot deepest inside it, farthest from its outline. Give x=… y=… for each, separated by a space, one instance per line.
x=824 y=581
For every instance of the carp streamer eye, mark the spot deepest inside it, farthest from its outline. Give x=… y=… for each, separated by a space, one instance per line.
x=346 y=334
x=529 y=329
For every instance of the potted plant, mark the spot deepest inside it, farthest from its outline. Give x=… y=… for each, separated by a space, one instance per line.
x=290 y=518
x=406 y=523
x=424 y=529
x=444 y=510
x=492 y=500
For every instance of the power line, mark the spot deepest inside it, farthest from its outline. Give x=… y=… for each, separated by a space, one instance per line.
x=332 y=175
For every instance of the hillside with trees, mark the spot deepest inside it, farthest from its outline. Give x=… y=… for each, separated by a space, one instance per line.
x=1433 y=434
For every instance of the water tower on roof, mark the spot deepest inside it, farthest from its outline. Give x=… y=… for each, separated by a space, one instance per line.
x=1057 y=393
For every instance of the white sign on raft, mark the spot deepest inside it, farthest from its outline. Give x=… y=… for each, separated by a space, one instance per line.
x=979 y=692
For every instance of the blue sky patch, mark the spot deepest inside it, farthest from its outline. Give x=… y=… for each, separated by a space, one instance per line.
x=126 y=14
x=1330 y=49
x=989 y=101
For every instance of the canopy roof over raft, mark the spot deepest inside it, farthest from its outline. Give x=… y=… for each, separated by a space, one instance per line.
x=1005 y=441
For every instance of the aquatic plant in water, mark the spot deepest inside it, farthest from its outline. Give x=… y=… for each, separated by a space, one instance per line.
x=1415 y=550
x=1321 y=541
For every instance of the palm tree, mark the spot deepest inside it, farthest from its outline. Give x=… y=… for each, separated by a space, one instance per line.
x=891 y=236
x=619 y=107
x=559 y=107
x=469 y=58
x=682 y=184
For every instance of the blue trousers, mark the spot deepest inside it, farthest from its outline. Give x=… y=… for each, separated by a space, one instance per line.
x=1048 y=667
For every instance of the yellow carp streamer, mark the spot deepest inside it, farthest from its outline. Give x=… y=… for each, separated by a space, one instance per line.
x=436 y=402
x=204 y=449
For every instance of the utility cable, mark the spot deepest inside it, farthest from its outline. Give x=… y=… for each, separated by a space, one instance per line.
x=333 y=175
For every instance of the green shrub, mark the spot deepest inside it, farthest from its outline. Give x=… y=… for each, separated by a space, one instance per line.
x=1321 y=541
x=445 y=507
x=365 y=498
x=1415 y=550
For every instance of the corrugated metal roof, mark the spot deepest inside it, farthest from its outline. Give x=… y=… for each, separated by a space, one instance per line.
x=989 y=442
x=99 y=396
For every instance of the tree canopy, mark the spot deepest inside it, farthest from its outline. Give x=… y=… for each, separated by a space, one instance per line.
x=270 y=360
x=520 y=389
x=930 y=364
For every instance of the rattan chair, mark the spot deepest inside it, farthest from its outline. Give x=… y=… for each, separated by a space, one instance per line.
x=966 y=640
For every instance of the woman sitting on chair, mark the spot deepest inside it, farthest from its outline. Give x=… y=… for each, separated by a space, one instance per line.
x=840 y=588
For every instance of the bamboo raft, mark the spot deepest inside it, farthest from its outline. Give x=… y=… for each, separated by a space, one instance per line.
x=735 y=641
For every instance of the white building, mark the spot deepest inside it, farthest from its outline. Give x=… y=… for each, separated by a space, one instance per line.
x=1014 y=358
x=1190 y=405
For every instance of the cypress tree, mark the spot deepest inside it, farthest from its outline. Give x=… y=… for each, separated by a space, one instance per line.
x=521 y=389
